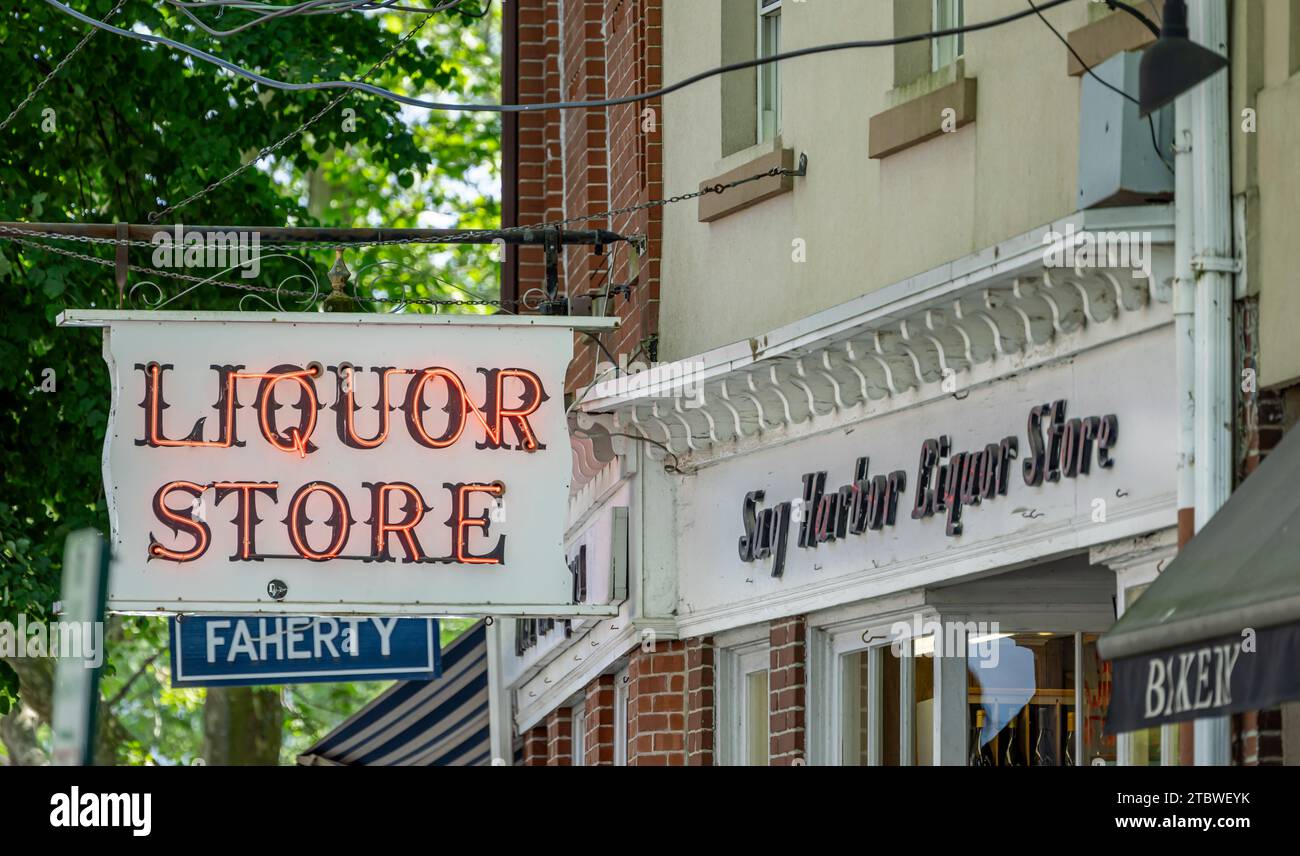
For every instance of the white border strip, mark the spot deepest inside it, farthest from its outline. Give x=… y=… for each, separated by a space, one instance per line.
x=108 y=317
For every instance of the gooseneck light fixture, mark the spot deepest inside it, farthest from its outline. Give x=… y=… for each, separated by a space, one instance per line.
x=1175 y=63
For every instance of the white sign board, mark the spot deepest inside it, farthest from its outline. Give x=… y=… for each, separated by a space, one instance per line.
x=1039 y=464
x=338 y=464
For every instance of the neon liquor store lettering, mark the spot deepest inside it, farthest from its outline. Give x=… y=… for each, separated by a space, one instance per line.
x=947 y=482
x=492 y=425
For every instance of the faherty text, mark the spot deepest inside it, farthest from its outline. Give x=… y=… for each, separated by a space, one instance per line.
x=945 y=482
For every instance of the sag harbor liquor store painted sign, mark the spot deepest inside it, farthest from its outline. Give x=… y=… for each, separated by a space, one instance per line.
x=337 y=464
x=1039 y=464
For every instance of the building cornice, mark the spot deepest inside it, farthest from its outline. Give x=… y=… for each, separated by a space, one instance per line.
x=991 y=314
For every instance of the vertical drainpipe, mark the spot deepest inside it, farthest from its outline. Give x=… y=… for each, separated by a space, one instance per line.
x=1212 y=261
x=1184 y=360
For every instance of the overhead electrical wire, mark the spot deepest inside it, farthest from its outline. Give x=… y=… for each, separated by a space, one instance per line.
x=90 y=34
x=310 y=7
x=10 y=233
x=1087 y=68
x=552 y=105
x=24 y=237
x=155 y=216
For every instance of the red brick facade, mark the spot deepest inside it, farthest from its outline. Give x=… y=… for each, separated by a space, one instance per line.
x=700 y=689
x=599 y=734
x=787 y=691
x=536 y=749
x=584 y=162
x=1261 y=422
x=559 y=737
x=656 y=706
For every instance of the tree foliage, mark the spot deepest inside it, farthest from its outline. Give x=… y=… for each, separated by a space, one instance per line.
x=127 y=128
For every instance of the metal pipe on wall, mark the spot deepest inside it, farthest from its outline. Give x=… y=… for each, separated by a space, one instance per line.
x=1174 y=752
x=1213 y=262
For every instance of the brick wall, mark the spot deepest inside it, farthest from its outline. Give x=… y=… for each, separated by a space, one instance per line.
x=656 y=718
x=699 y=701
x=598 y=740
x=540 y=182
x=535 y=747
x=787 y=691
x=1257 y=738
x=586 y=162
x=559 y=737
x=1261 y=421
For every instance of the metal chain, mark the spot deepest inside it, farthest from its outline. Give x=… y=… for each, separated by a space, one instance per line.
x=8 y=233
x=81 y=44
x=276 y=146
x=457 y=237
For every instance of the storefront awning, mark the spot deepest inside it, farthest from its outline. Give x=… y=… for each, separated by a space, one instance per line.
x=438 y=723
x=1219 y=630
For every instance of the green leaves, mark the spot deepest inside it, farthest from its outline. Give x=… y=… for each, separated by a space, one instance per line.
x=8 y=688
x=138 y=128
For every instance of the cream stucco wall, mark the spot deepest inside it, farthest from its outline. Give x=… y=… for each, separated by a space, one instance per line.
x=1266 y=171
x=867 y=223
x=1279 y=233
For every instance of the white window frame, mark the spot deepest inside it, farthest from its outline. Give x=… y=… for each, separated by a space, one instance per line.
x=736 y=664
x=620 y=717
x=830 y=645
x=845 y=644
x=767 y=9
x=1126 y=745
x=956 y=11
x=578 y=728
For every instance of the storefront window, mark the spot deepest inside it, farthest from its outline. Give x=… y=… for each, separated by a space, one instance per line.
x=891 y=720
x=1098 y=747
x=872 y=731
x=745 y=706
x=857 y=699
x=923 y=704
x=1157 y=746
x=1023 y=701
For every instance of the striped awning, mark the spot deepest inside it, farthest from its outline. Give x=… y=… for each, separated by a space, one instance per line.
x=438 y=723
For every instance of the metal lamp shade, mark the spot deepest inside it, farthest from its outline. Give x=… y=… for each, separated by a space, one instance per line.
x=1175 y=63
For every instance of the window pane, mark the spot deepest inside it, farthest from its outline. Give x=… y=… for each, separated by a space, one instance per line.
x=891 y=708
x=769 y=78
x=1098 y=748
x=1021 y=699
x=945 y=49
x=579 y=736
x=756 y=714
x=857 y=700
x=923 y=721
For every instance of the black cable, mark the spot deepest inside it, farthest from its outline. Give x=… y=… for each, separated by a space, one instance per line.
x=554 y=105
x=1150 y=121
x=593 y=337
x=1150 y=25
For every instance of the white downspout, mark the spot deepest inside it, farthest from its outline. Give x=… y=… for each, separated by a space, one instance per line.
x=1184 y=345
x=1213 y=262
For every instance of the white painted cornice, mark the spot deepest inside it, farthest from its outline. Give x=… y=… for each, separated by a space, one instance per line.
x=988 y=315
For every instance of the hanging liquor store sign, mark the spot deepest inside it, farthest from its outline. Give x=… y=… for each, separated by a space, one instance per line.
x=337 y=464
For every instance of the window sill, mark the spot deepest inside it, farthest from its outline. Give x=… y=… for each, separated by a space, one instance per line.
x=1110 y=34
x=714 y=206
x=922 y=117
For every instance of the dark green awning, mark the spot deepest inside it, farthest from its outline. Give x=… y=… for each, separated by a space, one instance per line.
x=1242 y=570
x=1178 y=649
